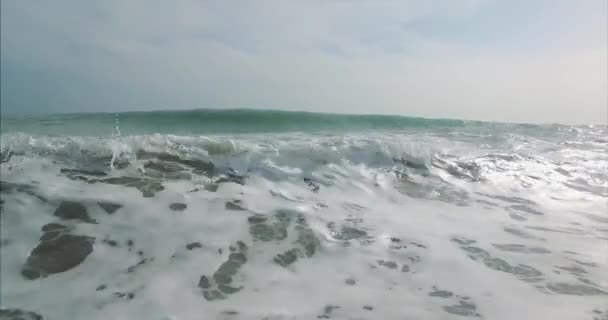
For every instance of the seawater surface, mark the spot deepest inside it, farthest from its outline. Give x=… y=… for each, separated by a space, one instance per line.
x=243 y=214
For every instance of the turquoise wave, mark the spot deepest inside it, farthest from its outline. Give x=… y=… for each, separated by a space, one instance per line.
x=214 y=121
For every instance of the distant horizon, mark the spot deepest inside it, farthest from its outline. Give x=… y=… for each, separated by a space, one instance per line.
x=42 y=115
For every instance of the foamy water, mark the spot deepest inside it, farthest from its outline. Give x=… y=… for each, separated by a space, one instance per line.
x=395 y=224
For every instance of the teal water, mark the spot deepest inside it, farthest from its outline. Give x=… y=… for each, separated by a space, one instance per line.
x=215 y=122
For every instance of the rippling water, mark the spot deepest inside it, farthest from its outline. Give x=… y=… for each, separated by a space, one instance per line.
x=274 y=215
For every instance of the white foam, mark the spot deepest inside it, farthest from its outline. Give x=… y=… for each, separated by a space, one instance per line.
x=358 y=188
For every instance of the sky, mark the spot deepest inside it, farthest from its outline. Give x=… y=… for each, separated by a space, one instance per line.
x=515 y=61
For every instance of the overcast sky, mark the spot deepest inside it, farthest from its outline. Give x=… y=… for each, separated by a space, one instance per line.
x=524 y=61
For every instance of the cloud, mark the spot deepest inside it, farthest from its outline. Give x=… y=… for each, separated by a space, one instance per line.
x=435 y=58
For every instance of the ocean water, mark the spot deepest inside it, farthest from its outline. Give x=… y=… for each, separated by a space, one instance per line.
x=245 y=214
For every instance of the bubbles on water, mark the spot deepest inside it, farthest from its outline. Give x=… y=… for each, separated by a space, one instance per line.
x=327 y=220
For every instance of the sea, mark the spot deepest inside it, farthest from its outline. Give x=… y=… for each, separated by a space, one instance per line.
x=276 y=215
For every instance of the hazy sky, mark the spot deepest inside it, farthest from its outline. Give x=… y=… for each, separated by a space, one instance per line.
x=528 y=60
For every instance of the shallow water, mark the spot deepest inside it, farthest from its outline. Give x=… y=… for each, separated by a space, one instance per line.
x=447 y=220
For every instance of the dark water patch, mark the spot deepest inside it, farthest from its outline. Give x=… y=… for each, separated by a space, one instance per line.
x=210 y=187
x=194 y=245
x=595 y=217
x=585 y=263
x=437 y=189
x=527 y=273
x=520 y=248
x=464 y=308
x=456 y=304
x=71 y=210
x=75 y=172
x=287 y=258
x=139 y=264
x=101 y=287
x=353 y=207
x=109 y=207
x=269 y=230
x=520 y=233
x=164 y=166
x=599 y=314
x=411 y=255
x=346 y=233
x=587 y=281
x=312 y=185
x=234 y=205
x=463 y=240
x=412 y=163
x=526 y=209
x=504 y=157
x=388 y=264
x=563 y=172
x=220 y=284
x=229 y=313
x=92 y=160
x=412 y=166
x=416 y=244
x=170 y=161
x=265 y=228
x=583 y=185
x=19 y=314
x=562 y=230
x=60 y=254
x=168 y=176
x=327 y=311
x=257 y=218
x=468 y=171
x=10 y=187
x=353 y=220
x=516 y=200
x=79 y=178
x=601 y=230
x=523 y=272
x=50 y=235
x=53 y=227
x=213 y=294
x=110 y=242
x=204 y=282
x=575 y=270
x=275 y=227
x=350 y=281
x=230 y=175
x=178 y=206
x=147 y=187
x=441 y=293
x=517 y=217
x=6 y=156
x=306 y=237
x=124 y=295
x=575 y=289
x=486 y=202
x=368 y=308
